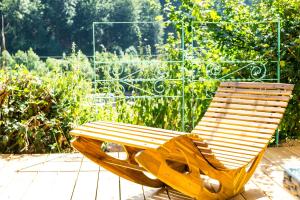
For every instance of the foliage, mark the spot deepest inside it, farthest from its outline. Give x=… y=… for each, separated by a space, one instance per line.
x=238 y=40
x=290 y=61
x=39 y=111
x=50 y=27
x=29 y=59
x=24 y=20
x=143 y=77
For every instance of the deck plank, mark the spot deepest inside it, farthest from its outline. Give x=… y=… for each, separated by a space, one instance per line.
x=168 y=194
x=55 y=180
x=108 y=186
x=268 y=183
x=133 y=191
x=14 y=182
x=65 y=180
x=129 y=190
x=252 y=192
x=89 y=173
x=294 y=150
x=279 y=158
x=86 y=186
x=41 y=187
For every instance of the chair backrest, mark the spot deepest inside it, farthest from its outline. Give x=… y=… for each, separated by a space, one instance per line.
x=241 y=120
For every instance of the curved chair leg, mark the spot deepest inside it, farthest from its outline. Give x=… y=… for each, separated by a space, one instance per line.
x=191 y=184
x=130 y=171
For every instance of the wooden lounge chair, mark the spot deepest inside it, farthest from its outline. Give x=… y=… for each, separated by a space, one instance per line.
x=226 y=145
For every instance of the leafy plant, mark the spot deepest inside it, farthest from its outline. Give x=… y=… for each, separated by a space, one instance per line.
x=38 y=112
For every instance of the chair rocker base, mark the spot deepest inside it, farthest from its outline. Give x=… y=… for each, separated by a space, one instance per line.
x=127 y=169
x=190 y=183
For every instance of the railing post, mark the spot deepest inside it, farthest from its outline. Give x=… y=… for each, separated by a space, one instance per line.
x=183 y=74
x=278 y=69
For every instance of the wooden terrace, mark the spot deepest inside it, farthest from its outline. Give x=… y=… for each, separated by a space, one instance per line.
x=71 y=176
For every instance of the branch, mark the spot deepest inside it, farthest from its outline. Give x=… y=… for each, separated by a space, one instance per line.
x=293 y=54
x=3 y=45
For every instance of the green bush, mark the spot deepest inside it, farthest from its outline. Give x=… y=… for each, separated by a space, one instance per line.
x=38 y=112
x=237 y=40
x=290 y=62
x=154 y=86
x=29 y=59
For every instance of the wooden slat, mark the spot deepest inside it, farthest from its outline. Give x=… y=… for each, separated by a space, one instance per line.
x=231 y=165
x=212 y=130
x=140 y=127
x=232 y=161
x=120 y=134
x=205 y=134
x=235 y=127
x=250 y=102
x=114 y=139
x=213 y=144
x=245 y=112
x=221 y=150
x=230 y=149
x=200 y=144
x=137 y=128
x=205 y=150
x=247 y=107
x=244 y=118
x=246 y=144
x=252 y=96
x=239 y=122
x=258 y=85
x=236 y=155
x=117 y=129
x=233 y=157
x=255 y=91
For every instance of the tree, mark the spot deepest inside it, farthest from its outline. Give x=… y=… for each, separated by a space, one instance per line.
x=59 y=19
x=151 y=33
x=24 y=25
x=3 y=45
x=50 y=26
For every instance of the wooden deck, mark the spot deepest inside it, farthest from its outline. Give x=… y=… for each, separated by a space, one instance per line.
x=70 y=177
